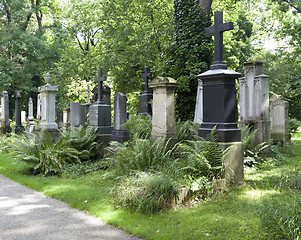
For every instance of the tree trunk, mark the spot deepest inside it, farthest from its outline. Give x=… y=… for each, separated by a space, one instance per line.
x=205 y=6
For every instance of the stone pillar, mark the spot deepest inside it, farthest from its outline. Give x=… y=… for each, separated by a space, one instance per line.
x=66 y=118
x=39 y=104
x=198 y=114
x=30 y=120
x=163 y=121
x=18 y=128
x=119 y=133
x=77 y=114
x=48 y=93
x=5 y=122
x=254 y=101
x=279 y=120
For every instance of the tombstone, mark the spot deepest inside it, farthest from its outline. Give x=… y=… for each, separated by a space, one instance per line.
x=77 y=114
x=5 y=122
x=220 y=104
x=30 y=120
x=119 y=133
x=163 y=120
x=39 y=105
x=48 y=93
x=23 y=116
x=279 y=120
x=198 y=114
x=18 y=128
x=145 y=99
x=254 y=101
x=66 y=118
x=100 y=113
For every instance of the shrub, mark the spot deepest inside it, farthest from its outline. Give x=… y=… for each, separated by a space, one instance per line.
x=139 y=126
x=146 y=192
x=187 y=130
x=293 y=124
x=83 y=140
x=140 y=155
x=42 y=155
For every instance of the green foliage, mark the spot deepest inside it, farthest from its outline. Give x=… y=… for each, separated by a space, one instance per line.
x=251 y=151
x=83 y=140
x=140 y=155
x=139 y=126
x=280 y=216
x=190 y=54
x=293 y=124
x=146 y=192
x=187 y=130
x=42 y=155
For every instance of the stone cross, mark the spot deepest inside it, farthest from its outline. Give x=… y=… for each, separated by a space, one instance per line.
x=218 y=30
x=99 y=81
x=146 y=75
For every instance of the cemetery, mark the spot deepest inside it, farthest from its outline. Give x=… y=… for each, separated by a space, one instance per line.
x=198 y=140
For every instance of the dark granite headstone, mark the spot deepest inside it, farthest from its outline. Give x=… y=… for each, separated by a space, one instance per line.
x=18 y=128
x=100 y=113
x=145 y=99
x=219 y=93
x=119 y=133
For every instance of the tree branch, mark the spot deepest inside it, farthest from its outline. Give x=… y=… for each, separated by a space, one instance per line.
x=295 y=7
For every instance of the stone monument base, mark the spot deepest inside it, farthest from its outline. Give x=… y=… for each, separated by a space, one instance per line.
x=234 y=162
x=120 y=136
x=284 y=138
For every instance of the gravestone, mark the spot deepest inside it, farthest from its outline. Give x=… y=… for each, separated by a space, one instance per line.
x=66 y=118
x=77 y=114
x=254 y=101
x=48 y=113
x=198 y=114
x=18 y=128
x=23 y=116
x=88 y=104
x=30 y=120
x=220 y=104
x=163 y=120
x=279 y=120
x=119 y=133
x=100 y=113
x=39 y=105
x=145 y=99
x=5 y=122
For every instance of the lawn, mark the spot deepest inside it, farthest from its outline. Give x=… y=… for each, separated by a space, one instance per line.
x=234 y=214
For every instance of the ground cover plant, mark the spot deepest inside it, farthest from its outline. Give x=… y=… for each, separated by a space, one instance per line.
x=257 y=210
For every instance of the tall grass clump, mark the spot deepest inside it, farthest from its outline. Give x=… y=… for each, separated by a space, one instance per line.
x=146 y=192
x=139 y=126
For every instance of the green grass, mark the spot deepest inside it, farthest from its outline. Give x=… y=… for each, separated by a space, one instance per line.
x=231 y=215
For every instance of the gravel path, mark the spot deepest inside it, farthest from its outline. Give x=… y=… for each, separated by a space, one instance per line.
x=29 y=215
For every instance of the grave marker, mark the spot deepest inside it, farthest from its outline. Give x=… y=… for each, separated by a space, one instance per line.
x=30 y=120
x=5 y=122
x=145 y=106
x=18 y=128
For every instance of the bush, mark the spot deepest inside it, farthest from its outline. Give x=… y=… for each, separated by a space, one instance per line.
x=187 y=130
x=280 y=216
x=148 y=193
x=140 y=155
x=139 y=126
x=293 y=124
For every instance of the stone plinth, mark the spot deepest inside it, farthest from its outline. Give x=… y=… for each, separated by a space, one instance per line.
x=220 y=105
x=234 y=162
x=279 y=120
x=5 y=122
x=119 y=133
x=254 y=101
x=163 y=121
x=48 y=114
x=100 y=119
